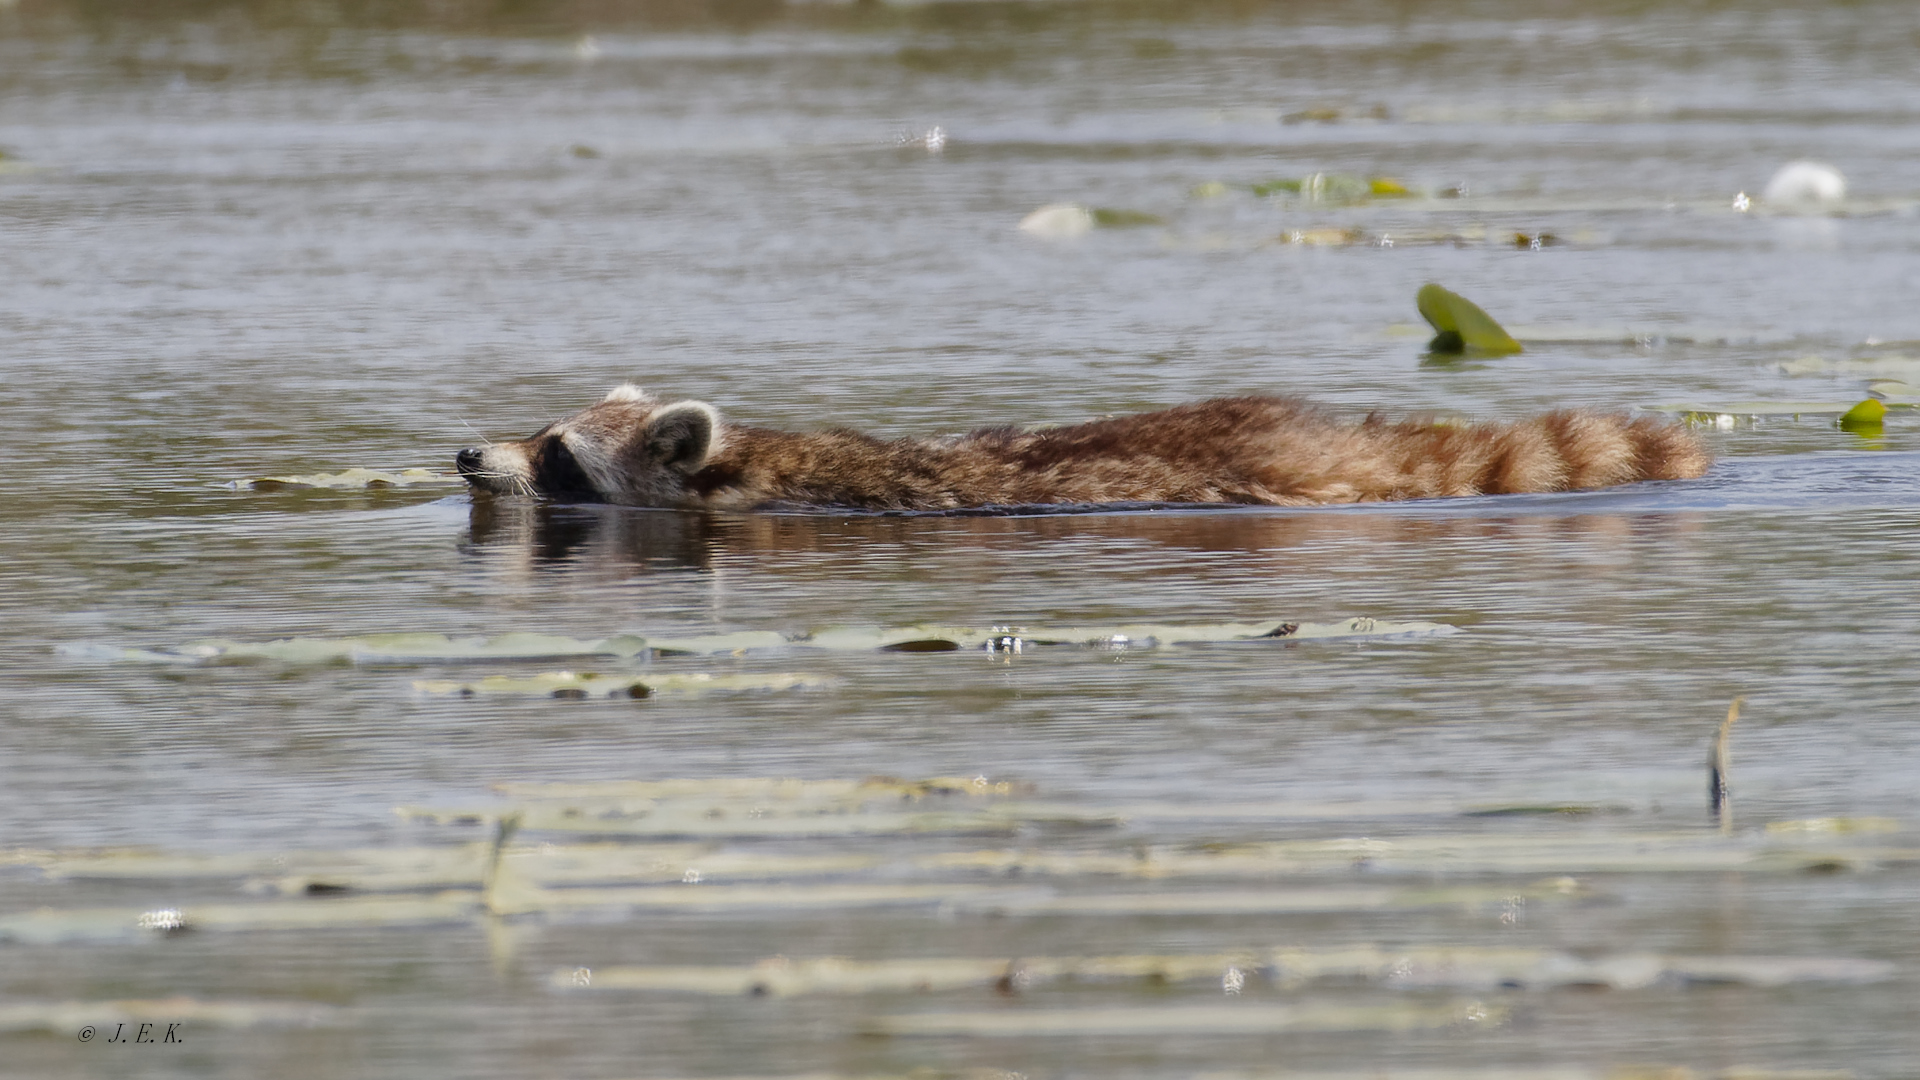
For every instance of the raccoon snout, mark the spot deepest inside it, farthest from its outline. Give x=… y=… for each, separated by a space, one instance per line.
x=467 y=461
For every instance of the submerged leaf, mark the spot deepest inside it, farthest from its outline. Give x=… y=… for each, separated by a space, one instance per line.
x=1460 y=323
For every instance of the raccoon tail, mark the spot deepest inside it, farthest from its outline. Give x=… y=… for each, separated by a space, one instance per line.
x=1571 y=450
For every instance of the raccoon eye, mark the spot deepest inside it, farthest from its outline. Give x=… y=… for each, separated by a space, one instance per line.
x=559 y=475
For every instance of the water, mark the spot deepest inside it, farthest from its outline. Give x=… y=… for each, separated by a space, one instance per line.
x=245 y=241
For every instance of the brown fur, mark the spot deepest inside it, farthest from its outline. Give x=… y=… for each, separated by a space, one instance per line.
x=632 y=449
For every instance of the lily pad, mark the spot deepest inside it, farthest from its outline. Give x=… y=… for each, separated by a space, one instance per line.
x=1058 y=221
x=1214 y=1019
x=1108 y=218
x=1868 y=416
x=408 y=648
x=1419 y=968
x=349 y=478
x=1336 y=188
x=1899 y=369
x=1308 y=900
x=50 y=925
x=1323 y=237
x=1532 y=853
x=567 y=685
x=420 y=648
x=1732 y=413
x=1460 y=323
x=737 y=819
x=775 y=789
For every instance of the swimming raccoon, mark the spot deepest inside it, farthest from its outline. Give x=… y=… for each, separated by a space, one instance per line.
x=633 y=449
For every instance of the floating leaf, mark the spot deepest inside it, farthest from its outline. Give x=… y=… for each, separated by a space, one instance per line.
x=1326 y=237
x=349 y=478
x=1866 y=416
x=764 y=789
x=1420 y=968
x=1215 y=1019
x=1460 y=323
x=1805 y=184
x=773 y=806
x=1531 y=853
x=1058 y=221
x=1319 y=114
x=415 y=648
x=1885 y=368
x=1124 y=219
x=1312 y=900
x=580 y=686
x=407 y=648
x=1335 y=188
x=609 y=817
x=49 y=925
x=1727 y=415
x=1275 y=187
x=1835 y=826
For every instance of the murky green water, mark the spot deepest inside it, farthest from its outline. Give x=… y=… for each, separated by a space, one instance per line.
x=242 y=242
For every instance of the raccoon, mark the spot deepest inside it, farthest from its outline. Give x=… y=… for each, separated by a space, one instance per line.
x=633 y=449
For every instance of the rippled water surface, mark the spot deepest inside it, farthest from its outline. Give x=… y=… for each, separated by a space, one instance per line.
x=249 y=241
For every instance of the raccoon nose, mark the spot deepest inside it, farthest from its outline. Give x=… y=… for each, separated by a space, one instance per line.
x=467 y=461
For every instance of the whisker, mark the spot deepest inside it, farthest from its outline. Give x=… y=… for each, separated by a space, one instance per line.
x=477 y=431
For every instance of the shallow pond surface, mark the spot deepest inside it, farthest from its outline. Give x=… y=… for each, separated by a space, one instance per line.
x=245 y=242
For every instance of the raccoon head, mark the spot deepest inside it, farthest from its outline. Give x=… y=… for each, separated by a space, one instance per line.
x=628 y=448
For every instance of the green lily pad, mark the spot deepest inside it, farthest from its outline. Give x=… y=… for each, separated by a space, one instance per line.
x=1460 y=323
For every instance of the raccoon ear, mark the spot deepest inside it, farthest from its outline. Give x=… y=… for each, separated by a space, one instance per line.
x=682 y=435
x=627 y=392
